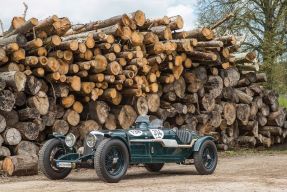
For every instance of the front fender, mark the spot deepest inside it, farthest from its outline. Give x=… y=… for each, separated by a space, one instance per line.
x=200 y=141
x=123 y=138
x=57 y=136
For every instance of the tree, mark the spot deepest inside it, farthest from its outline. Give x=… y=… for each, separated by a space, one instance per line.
x=262 y=22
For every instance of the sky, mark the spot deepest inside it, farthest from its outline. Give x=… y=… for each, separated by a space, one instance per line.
x=83 y=11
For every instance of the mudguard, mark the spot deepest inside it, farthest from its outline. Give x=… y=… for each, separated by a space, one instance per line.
x=200 y=141
x=56 y=135
x=123 y=137
x=61 y=138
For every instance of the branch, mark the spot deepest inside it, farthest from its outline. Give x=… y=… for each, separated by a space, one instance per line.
x=25 y=10
x=218 y=23
x=2 y=27
x=251 y=29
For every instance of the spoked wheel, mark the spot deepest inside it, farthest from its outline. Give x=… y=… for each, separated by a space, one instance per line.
x=154 y=167
x=114 y=161
x=111 y=160
x=205 y=160
x=49 y=153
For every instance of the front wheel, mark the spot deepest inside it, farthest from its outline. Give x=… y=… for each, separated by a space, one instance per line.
x=205 y=160
x=153 y=167
x=51 y=151
x=111 y=160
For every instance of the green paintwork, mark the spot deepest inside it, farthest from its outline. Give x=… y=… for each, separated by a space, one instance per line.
x=199 y=142
x=141 y=147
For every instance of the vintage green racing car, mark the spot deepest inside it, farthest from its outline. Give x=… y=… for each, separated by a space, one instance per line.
x=111 y=152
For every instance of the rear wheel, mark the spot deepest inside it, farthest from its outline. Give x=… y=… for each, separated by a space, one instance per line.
x=111 y=160
x=49 y=153
x=205 y=160
x=154 y=167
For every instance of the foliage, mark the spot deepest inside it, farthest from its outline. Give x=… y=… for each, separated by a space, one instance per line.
x=283 y=101
x=264 y=25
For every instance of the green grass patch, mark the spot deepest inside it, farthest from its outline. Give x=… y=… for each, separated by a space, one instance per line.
x=282 y=101
x=277 y=149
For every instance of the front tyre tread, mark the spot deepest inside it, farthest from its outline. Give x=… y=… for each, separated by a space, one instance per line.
x=44 y=161
x=99 y=160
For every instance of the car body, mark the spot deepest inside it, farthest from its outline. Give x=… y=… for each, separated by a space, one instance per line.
x=111 y=152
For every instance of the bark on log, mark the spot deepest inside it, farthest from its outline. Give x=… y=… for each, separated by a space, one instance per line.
x=17 y=38
x=28 y=130
x=249 y=140
x=214 y=86
x=21 y=165
x=2 y=123
x=28 y=114
x=276 y=118
x=243 y=97
x=179 y=87
x=26 y=148
x=243 y=113
x=14 y=79
x=4 y=152
x=273 y=130
x=7 y=100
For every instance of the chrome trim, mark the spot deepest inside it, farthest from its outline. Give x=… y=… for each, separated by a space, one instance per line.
x=95 y=140
x=169 y=143
x=73 y=137
x=96 y=133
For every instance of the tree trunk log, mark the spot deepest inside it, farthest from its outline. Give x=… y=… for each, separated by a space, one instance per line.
x=7 y=100
x=126 y=116
x=26 y=148
x=61 y=127
x=14 y=79
x=99 y=111
x=243 y=113
x=28 y=130
x=21 y=165
x=86 y=127
x=12 y=136
x=40 y=102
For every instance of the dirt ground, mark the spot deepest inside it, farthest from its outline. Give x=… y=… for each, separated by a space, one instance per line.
x=243 y=172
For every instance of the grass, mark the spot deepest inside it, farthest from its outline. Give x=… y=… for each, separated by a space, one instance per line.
x=277 y=149
x=282 y=101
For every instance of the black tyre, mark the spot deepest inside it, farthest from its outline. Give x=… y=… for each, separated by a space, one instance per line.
x=111 y=160
x=205 y=160
x=50 y=151
x=154 y=167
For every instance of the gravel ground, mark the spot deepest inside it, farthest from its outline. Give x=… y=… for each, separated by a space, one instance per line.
x=245 y=172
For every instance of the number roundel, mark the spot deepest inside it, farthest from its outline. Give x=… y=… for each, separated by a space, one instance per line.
x=135 y=132
x=157 y=133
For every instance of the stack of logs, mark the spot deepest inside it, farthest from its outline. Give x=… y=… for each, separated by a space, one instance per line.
x=59 y=77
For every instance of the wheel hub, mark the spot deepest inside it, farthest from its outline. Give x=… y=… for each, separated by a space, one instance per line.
x=208 y=158
x=114 y=161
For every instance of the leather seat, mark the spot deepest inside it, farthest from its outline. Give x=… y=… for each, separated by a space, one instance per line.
x=184 y=136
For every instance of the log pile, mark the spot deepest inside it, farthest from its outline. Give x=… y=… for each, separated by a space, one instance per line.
x=59 y=77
